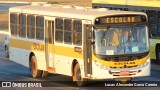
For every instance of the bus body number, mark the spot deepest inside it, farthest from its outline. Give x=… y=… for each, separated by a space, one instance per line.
x=37 y=46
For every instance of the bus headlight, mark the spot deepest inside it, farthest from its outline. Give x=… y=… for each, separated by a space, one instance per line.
x=100 y=65
x=145 y=64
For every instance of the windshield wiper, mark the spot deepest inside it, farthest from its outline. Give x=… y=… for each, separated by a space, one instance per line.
x=132 y=30
x=104 y=34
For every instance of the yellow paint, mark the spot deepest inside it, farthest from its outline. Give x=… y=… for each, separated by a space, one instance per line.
x=153 y=43
x=145 y=3
x=68 y=51
x=60 y=50
x=112 y=64
x=110 y=1
x=27 y=45
x=37 y=46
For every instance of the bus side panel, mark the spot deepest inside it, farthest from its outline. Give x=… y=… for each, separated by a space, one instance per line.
x=20 y=50
x=19 y=56
x=41 y=60
x=64 y=56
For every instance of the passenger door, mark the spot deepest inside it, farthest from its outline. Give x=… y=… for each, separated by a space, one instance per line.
x=49 y=42
x=87 y=48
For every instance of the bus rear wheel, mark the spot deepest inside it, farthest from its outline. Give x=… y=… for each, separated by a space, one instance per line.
x=44 y=74
x=35 y=72
x=158 y=54
x=77 y=76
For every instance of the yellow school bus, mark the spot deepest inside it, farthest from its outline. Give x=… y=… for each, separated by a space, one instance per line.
x=150 y=7
x=80 y=42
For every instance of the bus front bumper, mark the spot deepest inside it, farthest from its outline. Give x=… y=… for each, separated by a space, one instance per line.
x=115 y=73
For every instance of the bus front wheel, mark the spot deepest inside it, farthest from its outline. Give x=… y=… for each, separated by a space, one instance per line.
x=35 y=72
x=77 y=76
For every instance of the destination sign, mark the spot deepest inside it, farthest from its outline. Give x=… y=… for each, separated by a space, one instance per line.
x=119 y=19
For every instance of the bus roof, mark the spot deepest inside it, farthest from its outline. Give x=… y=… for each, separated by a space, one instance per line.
x=69 y=11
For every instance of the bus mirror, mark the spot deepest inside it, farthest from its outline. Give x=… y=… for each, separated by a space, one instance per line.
x=92 y=41
x=92 y=33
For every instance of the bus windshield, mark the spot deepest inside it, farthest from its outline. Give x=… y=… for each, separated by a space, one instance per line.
x=121 y=40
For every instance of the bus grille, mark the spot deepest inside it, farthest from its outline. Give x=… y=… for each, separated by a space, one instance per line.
x=131 y=72
x=126 y=66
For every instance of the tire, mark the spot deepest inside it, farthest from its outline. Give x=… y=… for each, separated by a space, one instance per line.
x=35 y=72
x=77 y=76
x=6 y=52
x=44 y=74
x=158 y=54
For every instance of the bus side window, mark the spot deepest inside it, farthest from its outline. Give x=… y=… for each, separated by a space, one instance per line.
x=152 y=19
x=50 y=32
x=22 y=25
x=68 y=31
x=31 y=26
x=14 y=24
x=158 y=18
x=59 y=29
x=77 y=32
x=40 y=27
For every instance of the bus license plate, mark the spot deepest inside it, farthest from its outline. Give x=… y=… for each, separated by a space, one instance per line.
x=124 y=72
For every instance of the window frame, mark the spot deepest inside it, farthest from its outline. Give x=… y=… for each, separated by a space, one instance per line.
x=76 y=28
x=60 y=29
x=23 y=25
x=15 y=24
x=30 y=26
x=39 y=27
x=66 y=30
